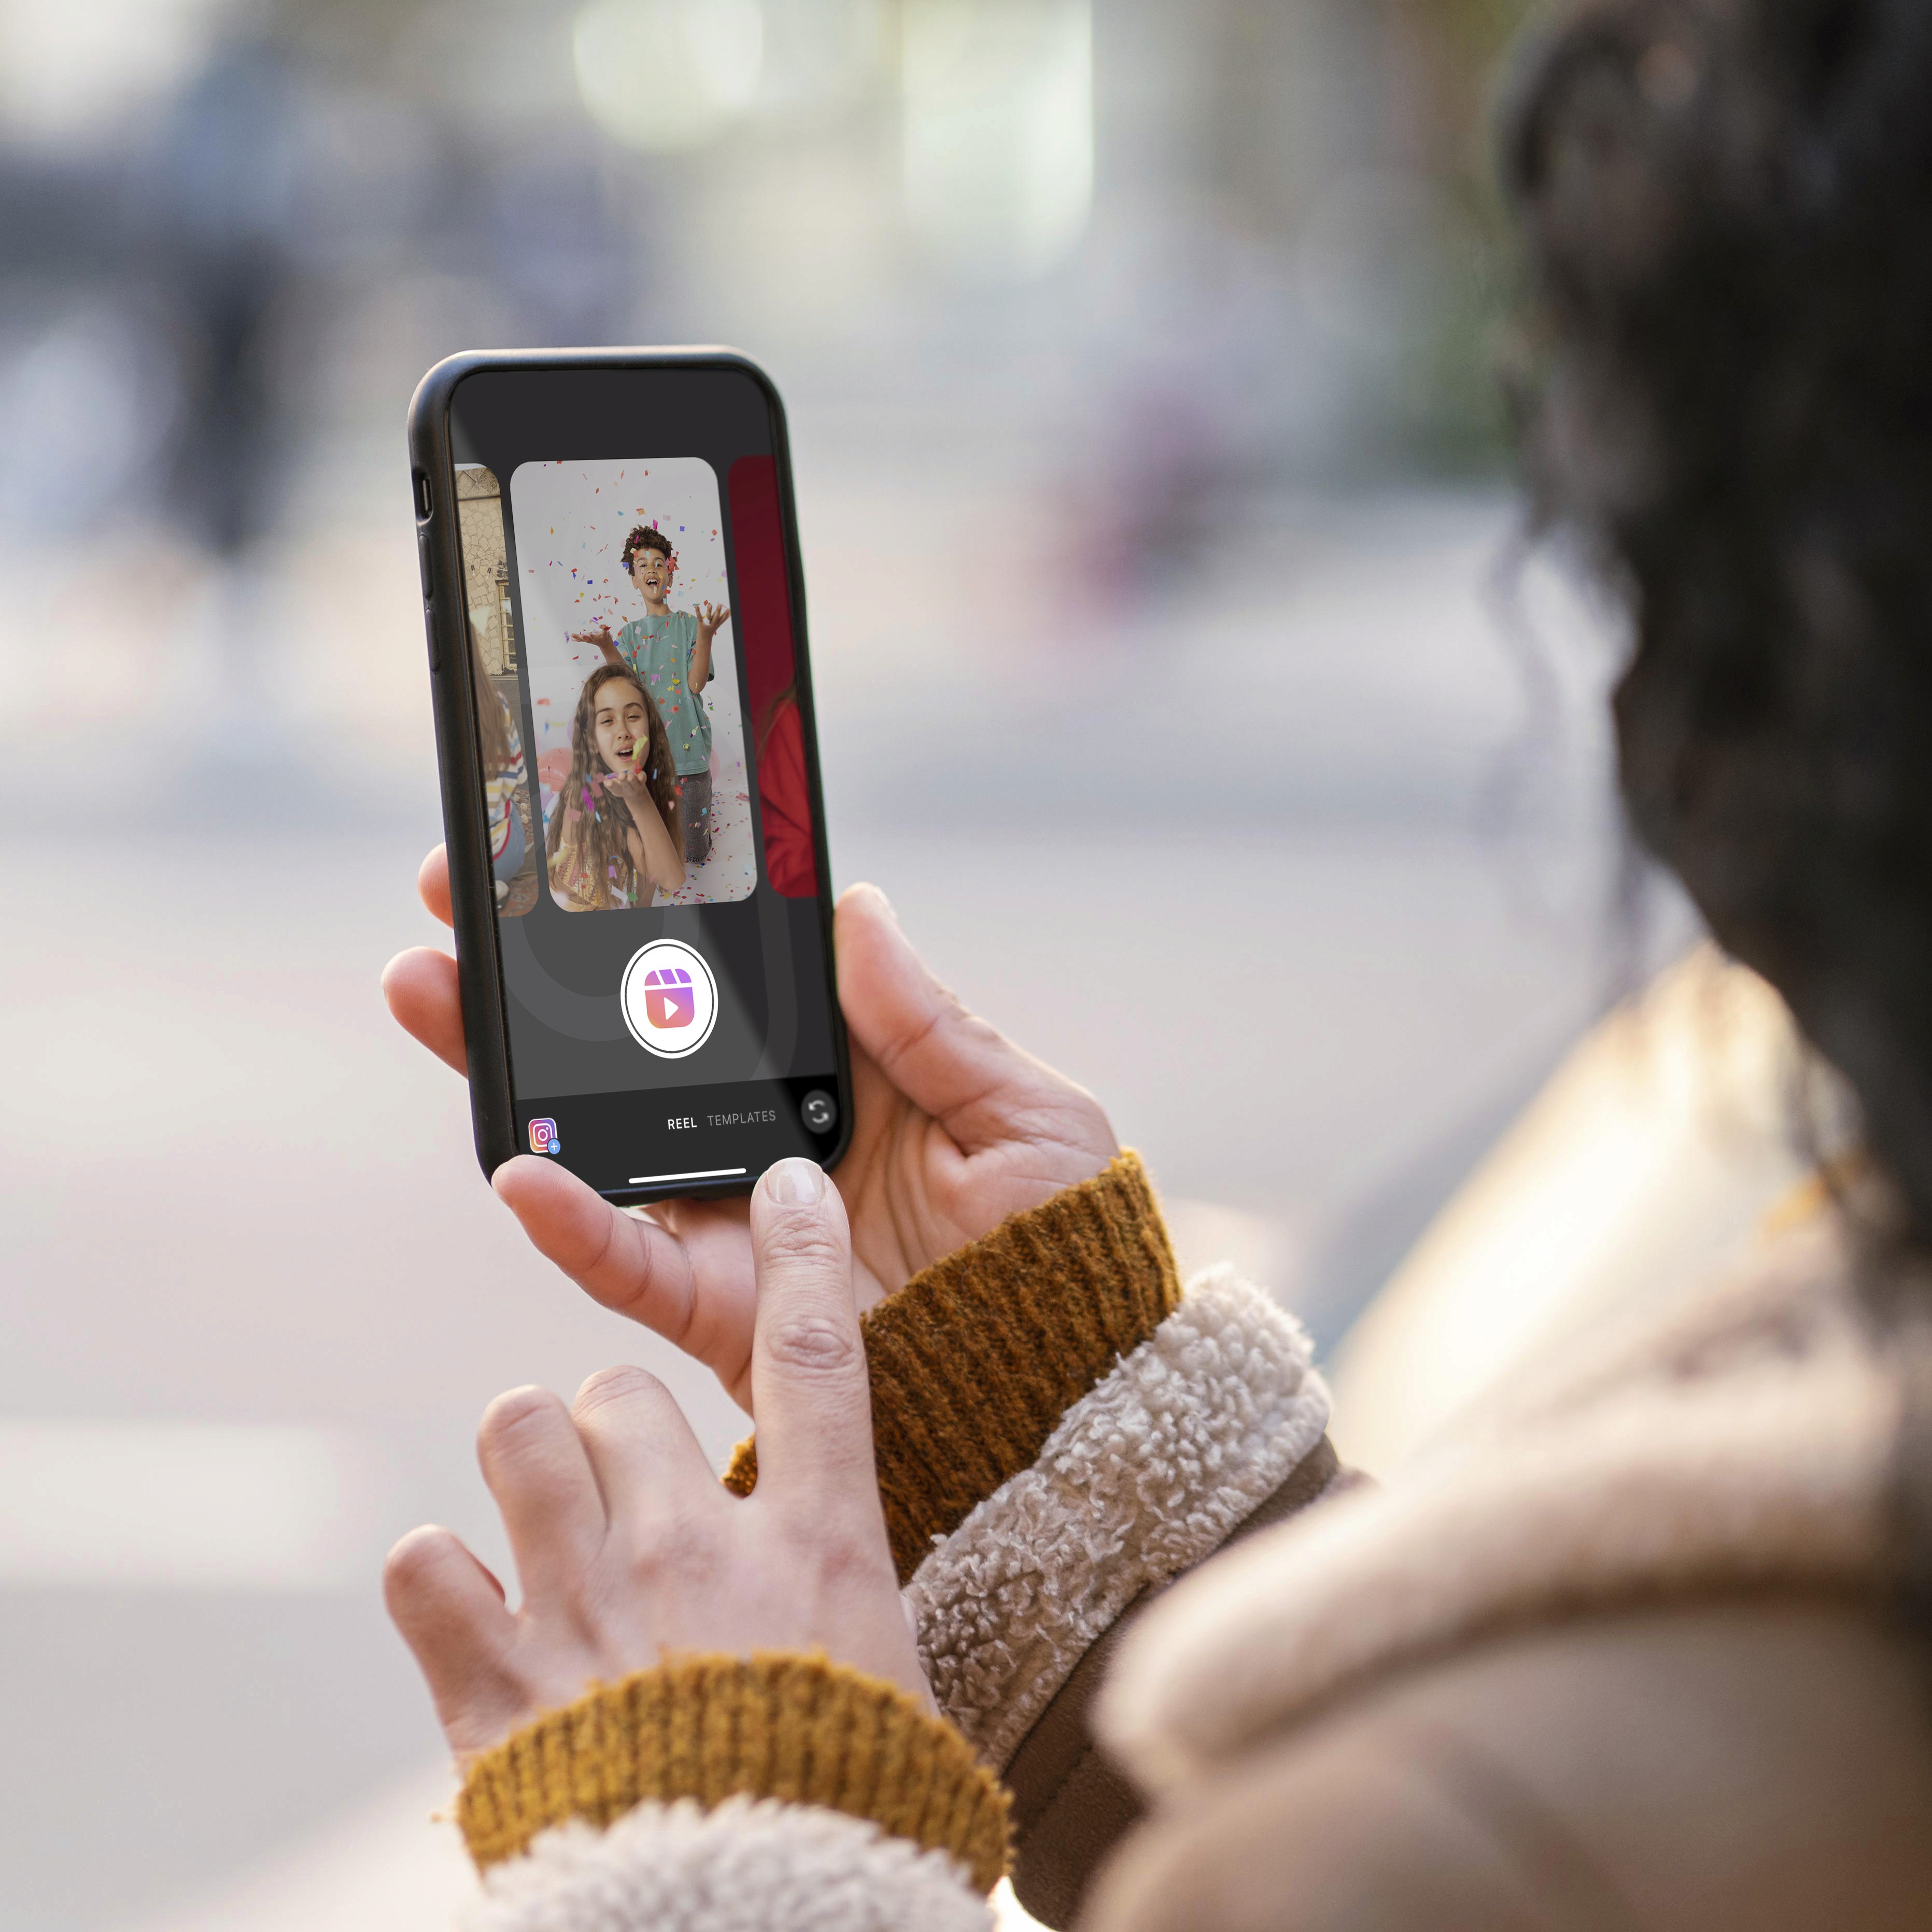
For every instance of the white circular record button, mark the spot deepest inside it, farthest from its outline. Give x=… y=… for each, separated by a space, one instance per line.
x=670 y=999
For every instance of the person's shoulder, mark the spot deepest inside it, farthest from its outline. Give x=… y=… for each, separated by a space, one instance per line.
x=1451 y=1780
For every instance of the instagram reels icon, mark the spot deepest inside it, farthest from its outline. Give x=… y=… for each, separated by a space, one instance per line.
x=543 y=1138
x=670 y=999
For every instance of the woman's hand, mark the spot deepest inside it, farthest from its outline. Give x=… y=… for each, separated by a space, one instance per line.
x=628 y=1546
x=954 y=1129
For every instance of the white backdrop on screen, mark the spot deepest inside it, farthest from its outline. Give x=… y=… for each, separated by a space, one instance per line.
x=571 y=520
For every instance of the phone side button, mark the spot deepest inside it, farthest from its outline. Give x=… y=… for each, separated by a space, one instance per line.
x=429 y=624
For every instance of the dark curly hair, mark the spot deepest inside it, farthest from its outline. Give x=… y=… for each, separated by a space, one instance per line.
x=645 y=536
x=1727 y=211
x=1729 y=215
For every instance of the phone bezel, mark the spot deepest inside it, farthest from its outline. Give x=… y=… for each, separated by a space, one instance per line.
x=472 y=898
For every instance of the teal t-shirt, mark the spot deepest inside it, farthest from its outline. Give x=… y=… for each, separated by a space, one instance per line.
x=658 y=650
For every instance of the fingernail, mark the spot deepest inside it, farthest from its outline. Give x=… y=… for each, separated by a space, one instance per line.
x=798 y=1183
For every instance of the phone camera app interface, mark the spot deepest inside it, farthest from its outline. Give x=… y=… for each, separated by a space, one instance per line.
x=642 y=728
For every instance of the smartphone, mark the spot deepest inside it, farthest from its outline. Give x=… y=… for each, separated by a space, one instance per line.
x=624 y=724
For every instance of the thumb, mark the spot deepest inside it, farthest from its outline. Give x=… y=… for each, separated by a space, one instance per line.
x=809 y=1389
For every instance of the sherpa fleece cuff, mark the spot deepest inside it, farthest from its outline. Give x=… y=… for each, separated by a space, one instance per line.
x=976 y=1360
x=800 y=1730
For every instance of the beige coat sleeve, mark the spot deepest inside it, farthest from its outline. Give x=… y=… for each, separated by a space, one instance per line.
x=1761 y=1762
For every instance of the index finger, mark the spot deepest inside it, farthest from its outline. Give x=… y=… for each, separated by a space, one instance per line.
x=420 y=986
x=433 y=885
x=808 y=1383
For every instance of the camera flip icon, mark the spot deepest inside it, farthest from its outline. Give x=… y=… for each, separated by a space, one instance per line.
x=670 y=999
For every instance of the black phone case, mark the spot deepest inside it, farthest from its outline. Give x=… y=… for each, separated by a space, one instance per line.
x=472 y=895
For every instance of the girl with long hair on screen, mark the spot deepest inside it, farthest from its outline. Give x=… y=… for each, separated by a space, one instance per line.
x=617 y=834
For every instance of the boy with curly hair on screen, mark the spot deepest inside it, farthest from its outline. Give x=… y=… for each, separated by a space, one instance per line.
x=669 y=652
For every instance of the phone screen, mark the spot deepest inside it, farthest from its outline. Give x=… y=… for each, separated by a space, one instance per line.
x=648 y=774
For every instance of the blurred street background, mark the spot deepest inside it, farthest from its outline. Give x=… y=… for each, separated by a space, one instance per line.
x=1187 y=678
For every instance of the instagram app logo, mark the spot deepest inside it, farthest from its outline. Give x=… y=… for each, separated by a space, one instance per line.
x=543 y=1137
x=669 y=999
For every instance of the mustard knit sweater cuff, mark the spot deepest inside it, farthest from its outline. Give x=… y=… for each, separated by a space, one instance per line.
x=799 y=1728
x=975 y=1361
